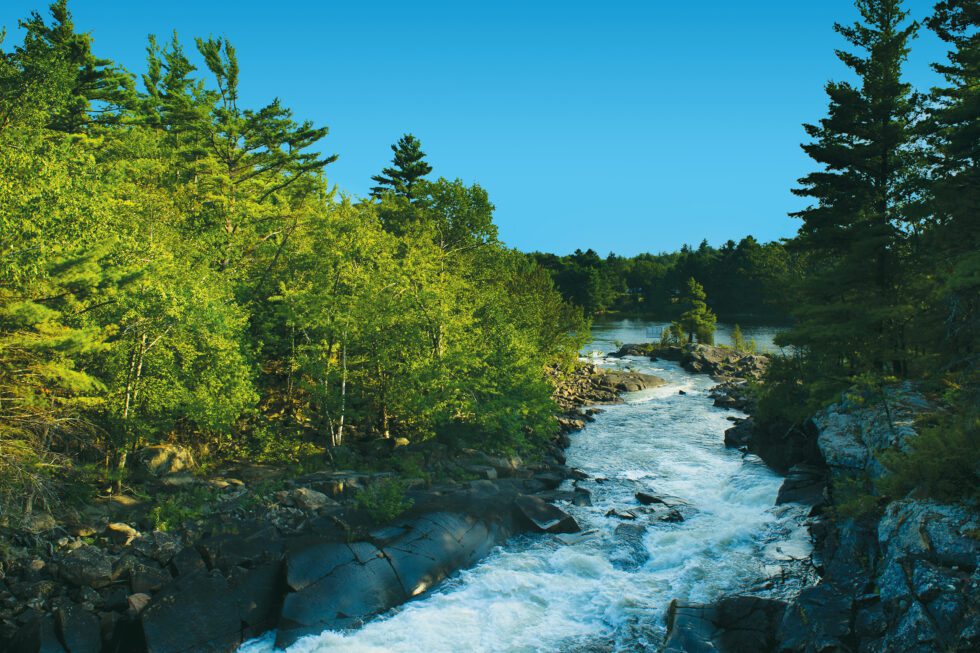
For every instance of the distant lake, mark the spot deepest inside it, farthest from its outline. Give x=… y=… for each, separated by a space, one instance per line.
x=607 y=332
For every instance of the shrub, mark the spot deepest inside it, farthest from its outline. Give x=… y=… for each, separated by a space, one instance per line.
x=943 y=461
x=384 y=500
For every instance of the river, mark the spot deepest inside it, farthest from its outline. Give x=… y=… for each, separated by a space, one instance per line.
x=608 y=590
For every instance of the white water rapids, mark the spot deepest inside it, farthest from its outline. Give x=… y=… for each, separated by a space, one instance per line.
x=605 y=591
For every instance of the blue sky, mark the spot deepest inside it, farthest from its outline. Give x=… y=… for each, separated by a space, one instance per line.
x=620 y=126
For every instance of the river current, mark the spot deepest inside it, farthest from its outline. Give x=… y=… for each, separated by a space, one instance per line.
x=608 y=589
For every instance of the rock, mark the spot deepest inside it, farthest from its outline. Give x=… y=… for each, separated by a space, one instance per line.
x=349 y=593
x=735 y=624
x=163 y=459
x=259 y=593
x=853 y=433
x=38 y=635
x=310 y=500
x=135 y=603
x=741 y=434
x=629 y=381
x=87 y=566
x=78 y=629
x=158 y=545
x=39 y=522
x=647 y=499
x=194 y=613
x=144 y=579
x=186 y=562
x=621 y=514
x=804 y=484
x=632 y=350
x=436 y=546
x=543 y=516
x=819 y=619
x=120 y=533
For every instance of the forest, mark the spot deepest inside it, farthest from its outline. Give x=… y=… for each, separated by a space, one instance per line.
x=744 y=281
x=175 y=266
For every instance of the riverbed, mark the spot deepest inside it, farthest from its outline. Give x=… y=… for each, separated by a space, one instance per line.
x=608 y=588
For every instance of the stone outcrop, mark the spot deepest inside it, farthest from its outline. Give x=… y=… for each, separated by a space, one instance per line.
x=722 y=362
x=162 y=460
x=733 y=624
x=903 y=576
x=589 y=384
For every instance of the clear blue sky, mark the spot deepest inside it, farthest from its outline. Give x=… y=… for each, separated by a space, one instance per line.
x=620 y=126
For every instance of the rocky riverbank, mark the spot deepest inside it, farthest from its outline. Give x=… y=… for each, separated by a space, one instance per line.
x=299 y=555
x=898 y=575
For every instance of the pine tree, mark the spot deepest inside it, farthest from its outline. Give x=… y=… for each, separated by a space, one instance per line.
x=408 y=167
x=697 y=320
x=850 y=311
x=952 y=245
x=100 y=91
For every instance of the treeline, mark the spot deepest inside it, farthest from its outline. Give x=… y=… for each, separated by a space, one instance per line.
x=890 y=244
x=175 y=266
x=743 y=281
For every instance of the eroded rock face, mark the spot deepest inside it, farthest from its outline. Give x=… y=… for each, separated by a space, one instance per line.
x=853 y=433
x=735 y=624
x=545 y=517
x=87 y=566
x=906 y=580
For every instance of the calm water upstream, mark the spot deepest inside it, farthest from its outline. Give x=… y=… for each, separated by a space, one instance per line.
x=609 y=590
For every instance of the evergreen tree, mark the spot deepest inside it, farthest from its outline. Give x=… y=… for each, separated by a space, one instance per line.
x=951 y=245
x=100 y=91
x=851 y=312
x=697 y=319
x=408 y=167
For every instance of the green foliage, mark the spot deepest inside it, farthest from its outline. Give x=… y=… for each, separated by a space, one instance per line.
x=384 y=500
x=943 y=460
x=407 y=170
x=697 y=319
x=673 y=336
x=853 y=499
x=744 y=279
x=171 y=512
x=851 y=309
x=739 y=343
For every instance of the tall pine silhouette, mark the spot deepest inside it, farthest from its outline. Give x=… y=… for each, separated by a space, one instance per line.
x=952 y=244
x=851 y=314
x=408 y=166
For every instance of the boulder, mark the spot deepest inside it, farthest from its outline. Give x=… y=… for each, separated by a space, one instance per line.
x=78 y=629
x=543 y=516
x=346 y=596
x=734 y=624
x=259 y=593
x=158 y=545
x=436 y=546
x=741 y=434
x=37 y=635
x=629 y=381
x=87 y=566
x=310 y=500
x=804 y=484
x=819 y=619
x=163 y=459
x=120 y=533
x=194 y=613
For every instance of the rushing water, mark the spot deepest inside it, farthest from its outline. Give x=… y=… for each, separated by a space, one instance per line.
x=608 y=590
